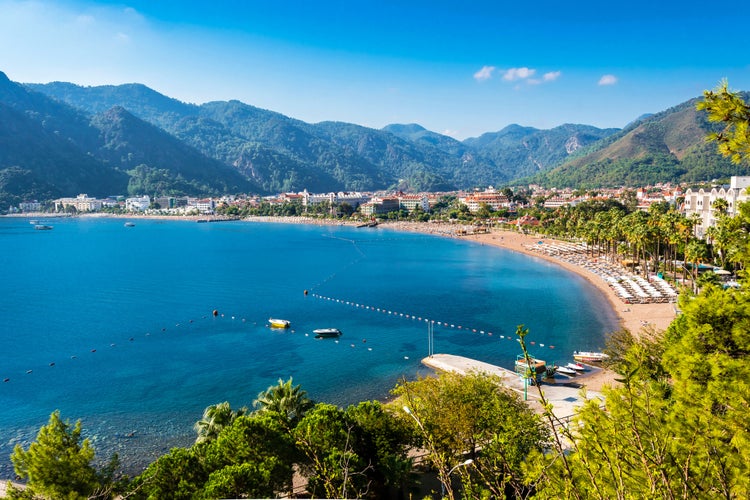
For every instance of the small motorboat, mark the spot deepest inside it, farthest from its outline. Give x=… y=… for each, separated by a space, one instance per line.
x=42 y=227
x=130 y=224
x=576 y=366
x=279 y=323
x=565 y=370
x=327 y=332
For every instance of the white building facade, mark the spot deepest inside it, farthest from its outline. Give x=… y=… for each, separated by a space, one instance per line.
x=138 y=204
x=700 y=202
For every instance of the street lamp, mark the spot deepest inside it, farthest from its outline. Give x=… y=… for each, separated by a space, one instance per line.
x=408 y=410
x=442 y=486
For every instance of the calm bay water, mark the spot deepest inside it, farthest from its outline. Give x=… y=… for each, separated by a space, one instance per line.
x=113 y=325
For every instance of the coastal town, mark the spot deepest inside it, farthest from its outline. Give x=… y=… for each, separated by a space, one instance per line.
x=502 y=204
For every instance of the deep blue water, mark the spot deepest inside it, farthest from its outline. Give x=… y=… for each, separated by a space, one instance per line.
x=115 y=324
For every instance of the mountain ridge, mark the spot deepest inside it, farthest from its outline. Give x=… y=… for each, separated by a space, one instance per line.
x=225 y=147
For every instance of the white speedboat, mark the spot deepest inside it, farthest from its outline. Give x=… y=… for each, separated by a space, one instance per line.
x=565 y=370
x=327 y=332
x=576 y=366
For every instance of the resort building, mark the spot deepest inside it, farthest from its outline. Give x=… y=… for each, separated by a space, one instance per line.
x=82 y=203
x=561 y=201
x=701 y=202
x=168 y=202
x=354 y=199
x=29 y=206
x=204 y=205
x=493 y=199
x=139 y=204
x=380 y=205
x=411 y=202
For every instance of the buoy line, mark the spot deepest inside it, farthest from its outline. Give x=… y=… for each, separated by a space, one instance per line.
x=212 y=315
x=415 y=317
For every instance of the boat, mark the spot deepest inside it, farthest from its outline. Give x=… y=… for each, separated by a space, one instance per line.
x=42 y=227
x=33 y=222
x=576 y=366
x=565 y=370
x=589 y=357
x=327 y=332
x=130 y=224
x=279 y=323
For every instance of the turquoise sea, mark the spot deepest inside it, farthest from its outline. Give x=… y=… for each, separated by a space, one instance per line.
x=114 y=325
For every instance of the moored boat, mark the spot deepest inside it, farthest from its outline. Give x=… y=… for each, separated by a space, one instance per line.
x=327 y=332
x=279 y=323
x=576 y=366
x=129 y=224
x=42 y=227
x=565 y=370
x=589 y=357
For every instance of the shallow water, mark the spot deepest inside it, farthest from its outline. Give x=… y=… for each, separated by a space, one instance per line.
x=113 y=325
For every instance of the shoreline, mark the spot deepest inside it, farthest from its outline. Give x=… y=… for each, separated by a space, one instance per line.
x=633 y=317
x=642 y=320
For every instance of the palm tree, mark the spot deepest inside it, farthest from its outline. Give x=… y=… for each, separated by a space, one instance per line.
x=215 y=418
x=695 y=252
x=289 y=401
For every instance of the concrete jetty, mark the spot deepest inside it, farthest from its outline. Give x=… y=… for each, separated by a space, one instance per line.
x=565 y=396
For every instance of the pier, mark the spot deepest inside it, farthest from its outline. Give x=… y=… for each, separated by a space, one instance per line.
x=564 y=396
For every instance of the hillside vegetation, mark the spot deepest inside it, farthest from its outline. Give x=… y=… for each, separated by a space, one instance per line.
x=61 y=139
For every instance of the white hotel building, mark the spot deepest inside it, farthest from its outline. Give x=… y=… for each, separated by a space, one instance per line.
x=700 y=202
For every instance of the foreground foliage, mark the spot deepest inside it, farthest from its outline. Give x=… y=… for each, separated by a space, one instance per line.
x=457 y=418
x=59 y=465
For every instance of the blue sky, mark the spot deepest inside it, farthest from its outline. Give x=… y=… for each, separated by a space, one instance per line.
x=458 y=68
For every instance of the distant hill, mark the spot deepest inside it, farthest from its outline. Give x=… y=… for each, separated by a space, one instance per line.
x=668 y=146
x=45 y=150
x=49 y=149
x=283 y=154
x=529 y=150
x=63 y=139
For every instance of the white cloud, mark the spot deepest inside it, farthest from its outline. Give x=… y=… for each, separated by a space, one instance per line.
x=484 y=74
x=607 y=80
x=514 y=74
x=552 y=76
x=450 y=133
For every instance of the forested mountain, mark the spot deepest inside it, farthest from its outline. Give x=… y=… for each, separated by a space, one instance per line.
x=50 y=149
x=283 y=154
x=668 y=146
x=61 y=139
x=45 y=150
x=529 y=150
